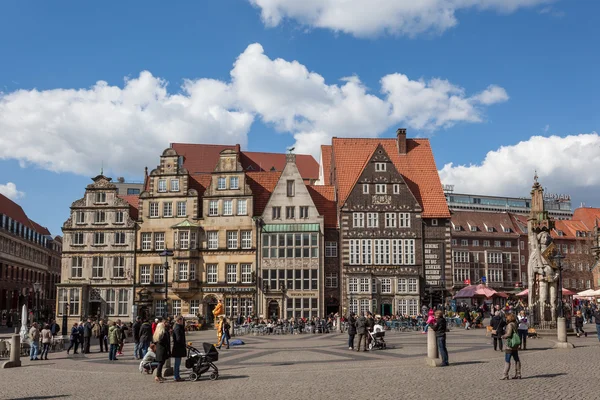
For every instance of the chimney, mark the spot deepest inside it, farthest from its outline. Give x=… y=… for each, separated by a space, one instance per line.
x=290 y=158
x=401 y=141
x=237 y=148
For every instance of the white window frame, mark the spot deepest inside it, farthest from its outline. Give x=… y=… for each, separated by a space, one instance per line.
x=303 y=212
x=364 y=285
x=386 y=285
x=122 y=301
x=352 y=285
x=195 y=306
x=159 y=273
x=174 y=185
x=111 y=302
x=413 y=285
x=120 y=238
x=221 y=183
x=365 y=188
x=331 y=280
x=372 y=220
x=402 y=285
x=390 y=220
x=246 y=273
x=145 y=274
x=234 y=182
x=380 y=188
x=232 y=273
x=396 y=188
x=183 y=240
x=331 y=249
x=97 y=267
x=213 y=208
x=159 y=241
x=358 y=220
x=153 y=209
x=167 y=209
x=99 y=238
x=246 y=239
x=182 y=271
x=78 y=238
x=212 y=273
x=100 y=217
x=176 y=307
x=181 y=208
x=228 y=207
x=404 y=220
x=80 y=217
x=380 y=167
x=77 y=267
x=162 y=186
x=242 y=207
x=212 y=240
x=146 y=240
x=119 y=217
x=232 y=239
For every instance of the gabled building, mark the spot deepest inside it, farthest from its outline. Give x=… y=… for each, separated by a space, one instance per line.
x=98 y=260
x=394 y=224
x=488 y=248
x=28 y=255
x=169 y=212
x=228 y=261
x=292 y=252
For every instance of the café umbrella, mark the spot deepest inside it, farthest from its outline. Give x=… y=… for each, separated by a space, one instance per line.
x=475 y=291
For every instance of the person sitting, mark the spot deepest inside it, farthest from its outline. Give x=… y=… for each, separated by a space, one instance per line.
x=148 y=364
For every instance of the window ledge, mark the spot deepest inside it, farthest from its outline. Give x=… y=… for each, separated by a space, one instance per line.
x=99 y=245
x=120 y=244
x=118 y=278
x=98 y=279
x=119 y=223
x=99 y=223
x=77 y=278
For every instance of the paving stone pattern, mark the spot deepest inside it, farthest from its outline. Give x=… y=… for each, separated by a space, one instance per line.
x=321 y=367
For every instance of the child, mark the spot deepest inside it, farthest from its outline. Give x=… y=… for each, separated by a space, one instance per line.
x=148 y=364
x=430 y=320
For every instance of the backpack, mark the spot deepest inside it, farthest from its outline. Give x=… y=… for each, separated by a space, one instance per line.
x=514 y=340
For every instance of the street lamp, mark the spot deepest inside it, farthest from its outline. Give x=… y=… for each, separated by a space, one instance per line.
x=166 y=253
x=37 y=286
x=559 y=257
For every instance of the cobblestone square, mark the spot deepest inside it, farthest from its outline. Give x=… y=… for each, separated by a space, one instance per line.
x=321 y=366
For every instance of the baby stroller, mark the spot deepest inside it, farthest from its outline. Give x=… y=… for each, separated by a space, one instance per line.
x=377 y=341
x=201 y=361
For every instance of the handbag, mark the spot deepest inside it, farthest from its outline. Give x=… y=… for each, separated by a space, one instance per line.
x=494 y=331
x=514 y=340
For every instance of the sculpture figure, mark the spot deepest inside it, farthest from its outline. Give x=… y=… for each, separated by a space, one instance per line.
x=219 y=314
x=543 y=275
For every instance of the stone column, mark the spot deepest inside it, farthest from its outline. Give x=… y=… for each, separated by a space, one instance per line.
x=338 y=321
x=432 y=351
x=15 y=352
x=561 y=330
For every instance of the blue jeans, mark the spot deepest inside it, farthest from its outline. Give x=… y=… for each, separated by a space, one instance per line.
x=514 y=354
x=224 y=337
x=351 y=341
x=112 y=352
x=598 y=330
x=176 y=368
x=35 y=349
x=144 y=349
x=441 y=343
x=136 y=350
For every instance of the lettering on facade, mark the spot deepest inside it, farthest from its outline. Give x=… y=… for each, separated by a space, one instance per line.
x=434 y=263
x=301 y=294
x=227 y=289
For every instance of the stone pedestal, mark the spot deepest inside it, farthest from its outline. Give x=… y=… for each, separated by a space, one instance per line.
x=561 y=333
x=15 y=353
x=338 y=322
x=168 y=369
x=432 y=359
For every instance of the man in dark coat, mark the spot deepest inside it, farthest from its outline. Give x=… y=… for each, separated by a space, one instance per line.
x=103 y=336
x=145 y=337
x=361 y=330
x=54 y=328
x=179 y=349
x=351 y=331
x=87 y=335
x=440 y=334
x=136 y=337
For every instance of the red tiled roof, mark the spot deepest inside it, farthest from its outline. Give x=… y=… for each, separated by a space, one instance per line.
x=519 y=222
x=482 y=221
x=203 y=158
x=417 y=167
x=569 y=229
x=324 y=199
x=133 y=201
x=326 y=159
x=262 y=185
x=588 y=215
x=200 y=158
x=40 y=229
x=200 y=182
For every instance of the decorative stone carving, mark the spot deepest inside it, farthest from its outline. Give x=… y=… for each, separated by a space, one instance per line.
x=95 y=295
x=381 y=199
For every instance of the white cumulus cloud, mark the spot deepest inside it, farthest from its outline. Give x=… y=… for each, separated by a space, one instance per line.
x=10 y=190
x=126 y=128
x=563 y=164
x=364 y=18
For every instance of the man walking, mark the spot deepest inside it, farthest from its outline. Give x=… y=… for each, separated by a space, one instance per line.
x=596 y=315
x=440 y=333
x=136 y=337
x=145 y=338
x=179 y=349
x=87 y=335
x=103 y=336
x=54 y=328
x=34 y=337
x=361 y=330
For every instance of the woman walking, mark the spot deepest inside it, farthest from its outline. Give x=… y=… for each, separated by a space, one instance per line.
x=114 y=334
x=46 y=337
x=351 y=331
x=579 y=324
x=498 y=326
x=74 y=339
x=162 y=340
x=512 y=349
x=225 y=333
x=523 y=329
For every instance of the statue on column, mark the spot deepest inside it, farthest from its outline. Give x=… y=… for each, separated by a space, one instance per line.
x=541 y=273
x=219 y=314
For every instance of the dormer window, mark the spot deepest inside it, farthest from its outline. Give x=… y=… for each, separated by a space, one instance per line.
x=561 y=233
x=380 y=167
x=100 y=197
x=456 y=227
x=472 y=228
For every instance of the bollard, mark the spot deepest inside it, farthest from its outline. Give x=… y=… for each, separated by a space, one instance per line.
x=338 y=321
x=561 y=333
x=168 y=370
x=432 y=351
x=15 y=352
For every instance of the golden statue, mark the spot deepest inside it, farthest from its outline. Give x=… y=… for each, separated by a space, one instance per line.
x=219 y=314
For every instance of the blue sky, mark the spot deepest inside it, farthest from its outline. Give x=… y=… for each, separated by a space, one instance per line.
x=480 y=85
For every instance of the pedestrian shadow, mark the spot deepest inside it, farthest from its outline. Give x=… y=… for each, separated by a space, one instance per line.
x=468 y=362
x=229 y=377
x=42 y=397
x=544 y=375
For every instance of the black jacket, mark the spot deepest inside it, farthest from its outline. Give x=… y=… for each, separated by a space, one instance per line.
x=54 y=328
x=87 y=329
x=145 y=333
x=163 y=348
x=439 y=327
x=351 y=326
x=136 y=331
x=179 y=343
x=579 y=321
x=361 y=325
x=596 y=315
x=498 y=324
x=103 y=330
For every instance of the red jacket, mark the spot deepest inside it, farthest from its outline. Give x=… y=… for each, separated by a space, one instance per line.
x=154 y=327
